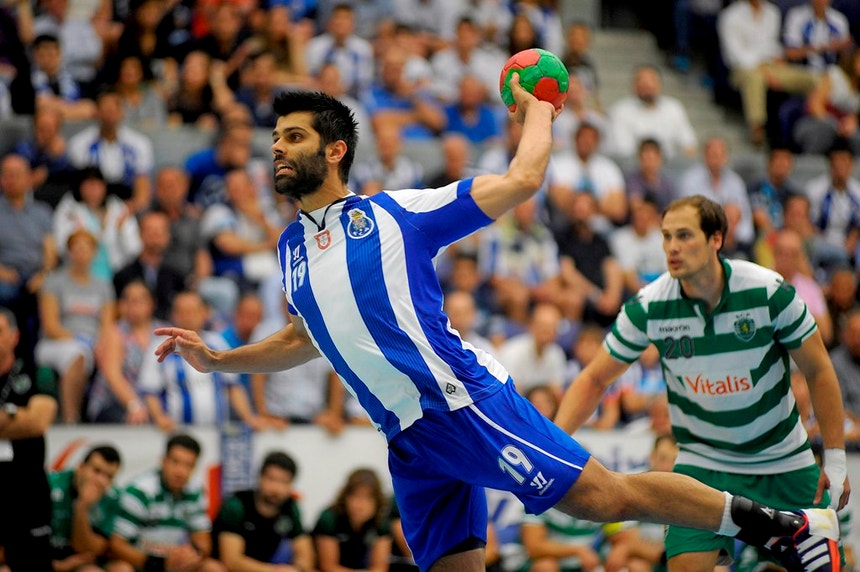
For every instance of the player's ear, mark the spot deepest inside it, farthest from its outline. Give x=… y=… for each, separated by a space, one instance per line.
x=334 y=152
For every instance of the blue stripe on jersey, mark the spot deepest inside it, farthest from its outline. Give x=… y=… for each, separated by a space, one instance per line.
x=374 y=305
x=450 y=223
x=427 y=299
x=303 y=297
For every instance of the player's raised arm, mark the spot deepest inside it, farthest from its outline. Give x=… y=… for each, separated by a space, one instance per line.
x=496 y=194
x=284 y=349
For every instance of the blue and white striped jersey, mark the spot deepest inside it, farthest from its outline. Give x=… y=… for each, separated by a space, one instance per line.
x=365 y=285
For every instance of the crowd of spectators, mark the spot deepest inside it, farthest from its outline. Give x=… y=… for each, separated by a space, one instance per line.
x=100 y=241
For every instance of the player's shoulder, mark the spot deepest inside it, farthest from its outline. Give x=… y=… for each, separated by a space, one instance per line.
x=662 y=289
x=746 y=275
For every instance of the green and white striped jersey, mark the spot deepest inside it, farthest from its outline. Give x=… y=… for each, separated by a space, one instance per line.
x=727 y=372
x=154 y=519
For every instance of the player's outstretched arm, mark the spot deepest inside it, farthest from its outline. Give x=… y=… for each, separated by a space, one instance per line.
x=496 y=194
x=284 y=349
x=583 y=396
x=814 y=362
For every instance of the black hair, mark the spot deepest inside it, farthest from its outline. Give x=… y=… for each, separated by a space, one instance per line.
x=332 y=119
x=840 y=145
x=184 y=441
x=46 y=39
x=85 y=174
x=712 y=217
x=650 y=142
x=106 y=452
x=280 y=460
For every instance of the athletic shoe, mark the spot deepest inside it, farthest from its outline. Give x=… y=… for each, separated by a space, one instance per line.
x=814 y=547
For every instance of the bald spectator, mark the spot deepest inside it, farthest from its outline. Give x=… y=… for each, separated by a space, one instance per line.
x=715 y=179
x=150 y=267
x=470 y=114
x=456 y=153
x=649 y=114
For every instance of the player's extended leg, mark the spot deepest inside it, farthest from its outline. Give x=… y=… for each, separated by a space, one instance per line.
x=667 y=498
x=805 y=538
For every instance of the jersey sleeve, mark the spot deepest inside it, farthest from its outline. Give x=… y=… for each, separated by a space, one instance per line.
x=628 y=337
x=792 y=321
x=444 y=215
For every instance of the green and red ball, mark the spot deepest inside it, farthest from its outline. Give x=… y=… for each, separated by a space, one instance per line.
x=542 y=74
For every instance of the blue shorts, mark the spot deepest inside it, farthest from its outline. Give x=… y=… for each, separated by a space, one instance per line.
x=441 y=464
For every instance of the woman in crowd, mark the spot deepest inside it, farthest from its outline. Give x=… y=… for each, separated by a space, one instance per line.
x=75 y=308
x=353 y=534
x=106 y=217
x=114 y=397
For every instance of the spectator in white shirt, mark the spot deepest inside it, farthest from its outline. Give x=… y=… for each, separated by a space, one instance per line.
x=649 y=114
x=534 y=357
x=749 y=32
x=586 y=170
x=638 y=247
x=815 y=34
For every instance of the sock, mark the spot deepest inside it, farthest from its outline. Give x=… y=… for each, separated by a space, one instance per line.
x=758 y=523
x=727 y=525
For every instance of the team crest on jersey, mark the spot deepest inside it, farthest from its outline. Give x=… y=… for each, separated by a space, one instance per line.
x=744 y=328
x=323 y=239
x=359 y=224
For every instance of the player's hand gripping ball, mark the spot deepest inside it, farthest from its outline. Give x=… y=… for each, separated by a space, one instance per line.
x=542 y=74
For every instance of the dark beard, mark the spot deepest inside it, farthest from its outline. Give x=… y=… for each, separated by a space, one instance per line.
x=307 y=176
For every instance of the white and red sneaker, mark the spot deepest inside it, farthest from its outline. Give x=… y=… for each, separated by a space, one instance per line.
x=814 y=547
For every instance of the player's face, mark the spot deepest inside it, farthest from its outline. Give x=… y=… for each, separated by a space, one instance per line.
x=688 y=250
x=276 y=486
x=299 y=157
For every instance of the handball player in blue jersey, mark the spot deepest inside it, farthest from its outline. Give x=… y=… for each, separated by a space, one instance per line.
x=362 y=291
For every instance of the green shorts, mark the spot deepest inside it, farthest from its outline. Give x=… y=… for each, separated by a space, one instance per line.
x=791 y=490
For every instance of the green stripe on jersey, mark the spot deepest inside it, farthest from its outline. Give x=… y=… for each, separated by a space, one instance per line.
x=727 y=373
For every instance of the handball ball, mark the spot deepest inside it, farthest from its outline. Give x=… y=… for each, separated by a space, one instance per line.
x=542 y=74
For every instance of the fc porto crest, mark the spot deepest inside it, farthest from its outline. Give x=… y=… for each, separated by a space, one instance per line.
x=323 y=239
x=360 y=225
x=744 y=328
